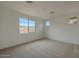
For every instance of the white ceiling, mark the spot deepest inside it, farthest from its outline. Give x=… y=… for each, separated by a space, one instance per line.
x=42 y=9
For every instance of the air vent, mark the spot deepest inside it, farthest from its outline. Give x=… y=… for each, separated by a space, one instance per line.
x=52 y=12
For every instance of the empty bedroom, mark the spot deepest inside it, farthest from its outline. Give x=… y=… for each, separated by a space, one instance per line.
x=39 y=29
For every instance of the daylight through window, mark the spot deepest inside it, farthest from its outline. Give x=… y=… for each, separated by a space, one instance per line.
x=26 y=25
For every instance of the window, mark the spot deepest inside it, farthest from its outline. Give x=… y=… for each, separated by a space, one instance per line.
x=26 y=25
x=47 y=23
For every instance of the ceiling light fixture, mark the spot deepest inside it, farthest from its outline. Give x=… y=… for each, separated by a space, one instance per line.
x=73 y=20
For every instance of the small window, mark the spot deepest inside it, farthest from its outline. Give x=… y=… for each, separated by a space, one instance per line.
x=47 y=23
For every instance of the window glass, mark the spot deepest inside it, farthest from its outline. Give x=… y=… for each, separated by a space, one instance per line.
x=31 y=26
x=23 y=25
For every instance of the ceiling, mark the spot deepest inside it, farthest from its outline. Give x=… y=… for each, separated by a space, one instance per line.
x=42 y=9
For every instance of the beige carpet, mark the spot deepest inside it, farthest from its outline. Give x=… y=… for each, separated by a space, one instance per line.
x=43 y=48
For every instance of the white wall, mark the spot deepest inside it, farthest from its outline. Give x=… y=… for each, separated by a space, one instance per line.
x=62 y=31
x=58 y=30
x=9 y=28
